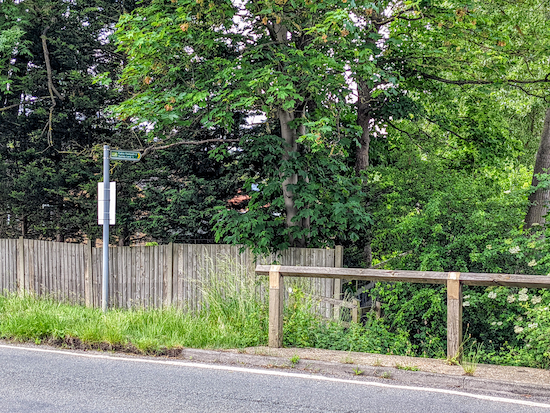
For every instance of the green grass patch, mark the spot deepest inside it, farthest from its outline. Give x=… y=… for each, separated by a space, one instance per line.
x=41 y=319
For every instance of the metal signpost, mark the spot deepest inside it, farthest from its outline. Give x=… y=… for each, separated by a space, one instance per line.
x=107 y=156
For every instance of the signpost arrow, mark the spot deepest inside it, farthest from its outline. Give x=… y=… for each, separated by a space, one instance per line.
x=119 y=155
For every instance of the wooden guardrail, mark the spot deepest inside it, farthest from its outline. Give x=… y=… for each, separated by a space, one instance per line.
x=453 y=280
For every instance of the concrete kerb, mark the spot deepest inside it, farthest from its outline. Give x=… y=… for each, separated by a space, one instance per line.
x=355 y=370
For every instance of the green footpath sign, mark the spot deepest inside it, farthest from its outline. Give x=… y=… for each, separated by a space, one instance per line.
x=117 y=155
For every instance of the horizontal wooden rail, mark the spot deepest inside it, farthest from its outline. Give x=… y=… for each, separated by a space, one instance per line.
x=422 y=277
x=453 y=281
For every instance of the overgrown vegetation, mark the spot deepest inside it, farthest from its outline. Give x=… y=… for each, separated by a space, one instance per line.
x=512 y=324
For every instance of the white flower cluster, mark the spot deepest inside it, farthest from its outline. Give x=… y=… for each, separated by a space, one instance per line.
x=533 y=325
x=495 y=323
x=492 y=295
x=466 y=304
x=518 y=329
x=532 y=263
x=511 y=298
x=522 y=296
x=536 y=299
x=514 y=250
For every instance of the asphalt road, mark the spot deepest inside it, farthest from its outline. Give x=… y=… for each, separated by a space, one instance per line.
x=45 y=380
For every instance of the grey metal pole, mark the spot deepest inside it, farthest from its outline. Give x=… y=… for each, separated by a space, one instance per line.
x=106 y=218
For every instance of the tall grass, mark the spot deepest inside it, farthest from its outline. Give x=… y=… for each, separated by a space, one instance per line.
x=232 y=315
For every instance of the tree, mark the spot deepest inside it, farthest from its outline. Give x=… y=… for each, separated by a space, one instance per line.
x=53 y=112
x=301 y=64
x=266 y=63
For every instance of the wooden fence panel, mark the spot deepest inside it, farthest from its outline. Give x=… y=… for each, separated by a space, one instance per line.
x=142 y=276
x=8 y=265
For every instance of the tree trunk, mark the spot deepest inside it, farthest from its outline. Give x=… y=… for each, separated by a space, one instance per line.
x=362 y=156
x=363 y=120
x=24 y=226
x=124 y=237
x=538 y=200
x=291 y=145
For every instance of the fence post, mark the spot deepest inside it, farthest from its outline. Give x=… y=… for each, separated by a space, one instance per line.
x=276 y=300
x=168 y=276
x=20 y=265
x=338 y=263
x=355 y=310
x=454 y=316
x=88 y=281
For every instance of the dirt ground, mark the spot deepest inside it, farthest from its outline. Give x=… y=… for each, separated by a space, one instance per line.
x=523 y=375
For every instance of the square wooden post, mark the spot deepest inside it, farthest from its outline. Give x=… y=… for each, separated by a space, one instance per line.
x=276 y=300
x=454 y=316
x=338 y=263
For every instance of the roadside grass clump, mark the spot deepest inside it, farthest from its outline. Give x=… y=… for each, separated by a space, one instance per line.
x=232 y=314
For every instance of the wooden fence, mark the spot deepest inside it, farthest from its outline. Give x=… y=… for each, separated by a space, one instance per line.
x=453 y=281
x=156 y=276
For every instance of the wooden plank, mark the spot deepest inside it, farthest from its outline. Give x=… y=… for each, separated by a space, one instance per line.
x=146 y=293
x=183 y=288
x=88 y=284
x=72 y=273
x=338 y=263
x=133 y=275
x=29 y=257
x=194 y=278
x=37 y=267
x=454 y=316
x=66 y=273
x=355 y=311
x=113 y=276
x=140 y=284
x=422 y=277
x=21 y=265
x=3 y=273
x=13 y=266
x=176 y=250
x=53 y=270
x=4 y=257
x=168 y=275
x=360 y=273
x=340 y=303
x=276 y=302
x=95 y=276
x=158 y=266
x=123 y=274
x=507 y=280
x=46 y=287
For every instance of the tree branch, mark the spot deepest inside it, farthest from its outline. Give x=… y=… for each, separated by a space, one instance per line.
x=18 y=104
x=485 y=82
x=10 y=107
x=445 y=129
x=150 y=149
x=51 y=86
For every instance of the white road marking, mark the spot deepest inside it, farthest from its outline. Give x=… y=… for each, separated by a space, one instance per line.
x=279 y=373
